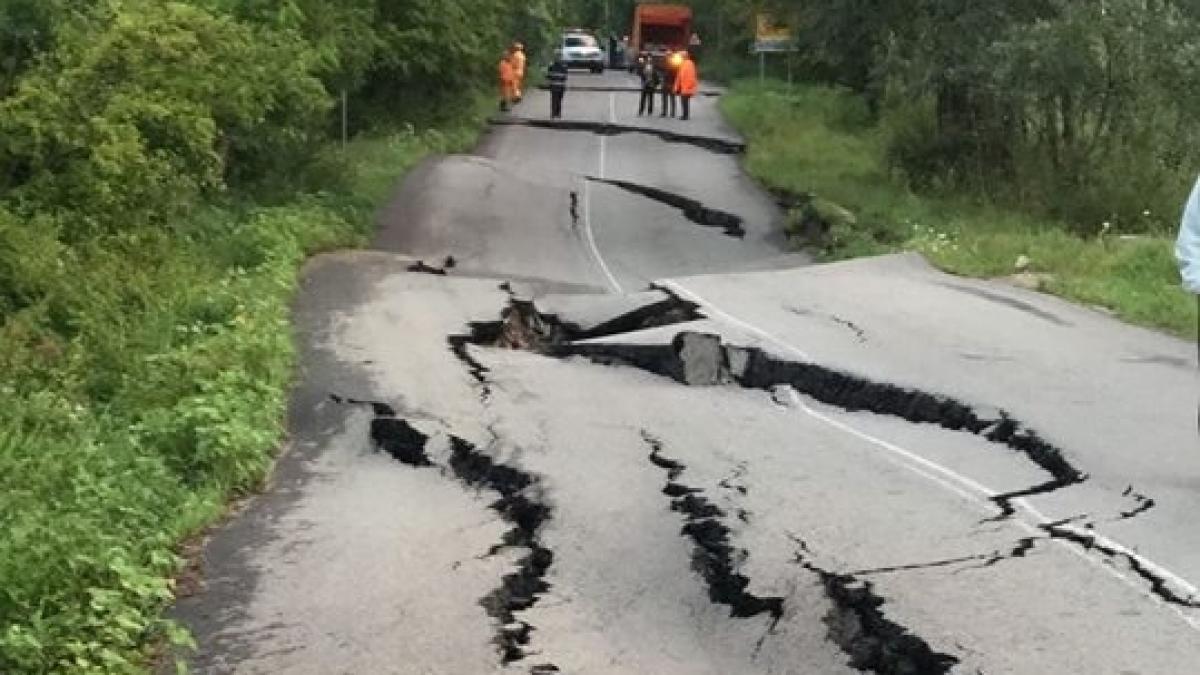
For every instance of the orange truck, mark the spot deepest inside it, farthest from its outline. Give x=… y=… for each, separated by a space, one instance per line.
x=660 y=29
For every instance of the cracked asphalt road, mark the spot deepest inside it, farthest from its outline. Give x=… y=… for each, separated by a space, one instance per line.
x=631 y=443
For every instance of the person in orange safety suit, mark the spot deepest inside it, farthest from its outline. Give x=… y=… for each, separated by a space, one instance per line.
x=518 y=62
x=686 y=84
x=508 y=81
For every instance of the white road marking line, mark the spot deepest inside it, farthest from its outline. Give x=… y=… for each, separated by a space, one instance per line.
x=612 y=108
x=591 y=239
x=587 y=206
x=958 y=483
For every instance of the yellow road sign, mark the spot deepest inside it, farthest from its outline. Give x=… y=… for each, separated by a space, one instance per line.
x=772 y=34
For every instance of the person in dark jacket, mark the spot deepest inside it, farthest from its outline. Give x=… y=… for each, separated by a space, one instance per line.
x=650 y=83
x=670 y=69
x=556 y=78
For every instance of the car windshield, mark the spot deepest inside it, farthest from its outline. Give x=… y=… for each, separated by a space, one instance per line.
x=580 y=41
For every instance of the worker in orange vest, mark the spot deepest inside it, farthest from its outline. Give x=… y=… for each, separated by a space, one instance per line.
x=508 y=81
x=686 y=84
x=518 y=62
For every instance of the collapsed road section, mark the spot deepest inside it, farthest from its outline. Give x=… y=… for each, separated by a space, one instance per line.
x=698 y=359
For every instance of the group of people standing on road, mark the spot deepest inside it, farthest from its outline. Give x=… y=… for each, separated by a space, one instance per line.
x=674 y=79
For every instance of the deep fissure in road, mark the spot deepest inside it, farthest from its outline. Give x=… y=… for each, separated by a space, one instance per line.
x=520 y=504
x=732 y=225
x=717 y=145
x=858 y=626
x=713 y=556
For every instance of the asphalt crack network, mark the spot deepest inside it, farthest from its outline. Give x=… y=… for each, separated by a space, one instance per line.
x=714 y=558
x=697 y=359
x=731 y=224
x=858 y=625
x=716 y=145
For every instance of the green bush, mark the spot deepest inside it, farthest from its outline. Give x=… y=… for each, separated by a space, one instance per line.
x=139 y=113
x=808 y=142
x=168 y=393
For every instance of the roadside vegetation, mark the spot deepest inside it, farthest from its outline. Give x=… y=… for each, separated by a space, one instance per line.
x=820 y=147
x=165 y=168
x=1052 y=142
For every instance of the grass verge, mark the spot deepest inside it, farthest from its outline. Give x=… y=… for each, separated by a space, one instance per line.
x=819 y=141
x=143 y=379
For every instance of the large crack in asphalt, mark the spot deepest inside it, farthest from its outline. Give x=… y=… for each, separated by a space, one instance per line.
x=731 y=224
x=858 y=626
x=1160 y=586
x=699 y=359
x=716 y=145
x=521 y=504
x=714 y=558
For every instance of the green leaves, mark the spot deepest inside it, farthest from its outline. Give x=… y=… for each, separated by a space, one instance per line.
x=139 y=113
x=1079 y=110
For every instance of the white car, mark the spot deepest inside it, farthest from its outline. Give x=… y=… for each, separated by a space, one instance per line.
x=581 y=50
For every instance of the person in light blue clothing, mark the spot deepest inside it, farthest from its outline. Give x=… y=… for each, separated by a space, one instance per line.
x=1187 y=247
x=1187 y=252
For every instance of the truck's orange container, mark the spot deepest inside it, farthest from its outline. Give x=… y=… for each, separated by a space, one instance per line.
x=659 y=29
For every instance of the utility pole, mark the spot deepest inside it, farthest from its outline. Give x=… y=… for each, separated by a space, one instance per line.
x=345 y=119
